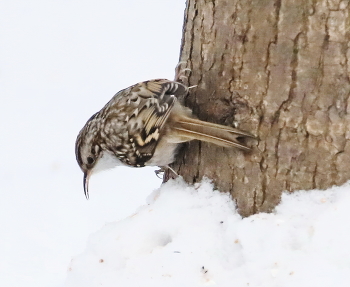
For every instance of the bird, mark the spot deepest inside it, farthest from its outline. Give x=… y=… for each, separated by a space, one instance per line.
x=143 y=125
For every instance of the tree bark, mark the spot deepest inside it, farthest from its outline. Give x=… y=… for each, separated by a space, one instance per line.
x=279 y=69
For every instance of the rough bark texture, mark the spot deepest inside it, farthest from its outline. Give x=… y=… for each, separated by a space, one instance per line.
x=279 y=69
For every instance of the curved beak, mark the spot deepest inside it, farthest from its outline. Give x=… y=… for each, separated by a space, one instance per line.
x=86 y=184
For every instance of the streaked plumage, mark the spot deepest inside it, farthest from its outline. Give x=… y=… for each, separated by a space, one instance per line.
x=143 y=125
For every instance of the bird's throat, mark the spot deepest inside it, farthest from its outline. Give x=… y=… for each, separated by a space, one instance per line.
x=107 y=161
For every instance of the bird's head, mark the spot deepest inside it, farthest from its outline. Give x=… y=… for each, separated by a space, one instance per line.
x=87 y=152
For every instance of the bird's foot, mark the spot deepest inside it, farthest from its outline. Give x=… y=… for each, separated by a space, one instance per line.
x=163 y=169
x=159 y=172
x=180 y=72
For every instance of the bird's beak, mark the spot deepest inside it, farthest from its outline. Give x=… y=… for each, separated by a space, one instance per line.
x=86 y=184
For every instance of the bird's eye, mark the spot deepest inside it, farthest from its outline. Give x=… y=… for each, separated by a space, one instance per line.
x=90 y=160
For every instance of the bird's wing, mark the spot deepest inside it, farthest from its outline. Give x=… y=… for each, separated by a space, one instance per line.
x=154 y=99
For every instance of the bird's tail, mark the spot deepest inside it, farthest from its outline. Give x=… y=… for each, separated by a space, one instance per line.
x=189 y=128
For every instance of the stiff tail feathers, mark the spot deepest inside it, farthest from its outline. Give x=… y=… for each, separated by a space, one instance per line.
x=220 y=135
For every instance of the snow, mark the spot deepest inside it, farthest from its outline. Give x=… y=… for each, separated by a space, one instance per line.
x=61 y=61
x=193 y=236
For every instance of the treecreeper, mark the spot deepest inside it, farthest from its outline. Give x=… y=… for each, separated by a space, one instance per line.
x=143 y=125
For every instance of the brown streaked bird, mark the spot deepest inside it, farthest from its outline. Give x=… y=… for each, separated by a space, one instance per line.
x=142 y=126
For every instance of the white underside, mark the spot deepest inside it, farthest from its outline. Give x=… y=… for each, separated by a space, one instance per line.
x=164 y=154
x=107 y=161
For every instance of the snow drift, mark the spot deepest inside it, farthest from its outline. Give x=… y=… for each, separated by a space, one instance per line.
x=193 y=236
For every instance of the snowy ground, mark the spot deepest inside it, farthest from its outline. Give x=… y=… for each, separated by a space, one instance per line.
x=189 y=237
x=61 y=61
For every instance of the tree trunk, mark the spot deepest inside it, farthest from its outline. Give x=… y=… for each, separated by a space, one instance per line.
x=279 y=69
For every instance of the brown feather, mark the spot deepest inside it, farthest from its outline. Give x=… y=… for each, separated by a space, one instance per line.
x=190 y=129
x=195 y=122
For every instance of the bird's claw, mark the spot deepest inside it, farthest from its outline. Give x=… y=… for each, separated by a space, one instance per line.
x=163 y=169
x=159 y=171
x=180 y=73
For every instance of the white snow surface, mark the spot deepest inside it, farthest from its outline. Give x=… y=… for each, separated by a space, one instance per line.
x=193 y=236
